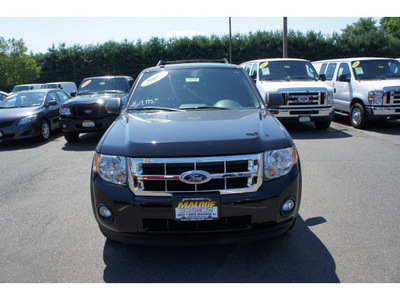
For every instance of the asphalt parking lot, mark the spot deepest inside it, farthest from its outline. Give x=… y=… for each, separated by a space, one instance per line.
x=348 y=229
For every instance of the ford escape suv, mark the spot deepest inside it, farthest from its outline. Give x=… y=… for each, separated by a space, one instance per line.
x=195 y=157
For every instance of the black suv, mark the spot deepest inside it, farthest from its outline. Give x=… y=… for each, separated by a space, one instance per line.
x=87 y=111
x=195 y=157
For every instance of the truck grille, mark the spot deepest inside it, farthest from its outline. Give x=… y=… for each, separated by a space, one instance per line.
x=304 y=98
x=233 y=174
x=392 y=95
x=89 y=111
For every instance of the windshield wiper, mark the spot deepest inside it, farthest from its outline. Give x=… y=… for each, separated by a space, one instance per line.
x=154 y=108
x=207 y=107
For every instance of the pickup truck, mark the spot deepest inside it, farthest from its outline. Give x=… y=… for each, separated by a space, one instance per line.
x=306 y=98
x=195 y=157
x=87 y=111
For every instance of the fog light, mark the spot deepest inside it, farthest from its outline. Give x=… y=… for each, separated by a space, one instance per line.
x=288 y=206
x=105 y=212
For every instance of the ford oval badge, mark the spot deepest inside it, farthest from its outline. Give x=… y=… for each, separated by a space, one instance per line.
x=88 y=111
x=195 y=177
x=304 y=98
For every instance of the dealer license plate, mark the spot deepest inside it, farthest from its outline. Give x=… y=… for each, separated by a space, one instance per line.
x=196 y=208
x=304 y=119
x=88 y=124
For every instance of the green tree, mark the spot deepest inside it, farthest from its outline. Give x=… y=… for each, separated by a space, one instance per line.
x=363 y=25
x=391 y=25
x=16 y=67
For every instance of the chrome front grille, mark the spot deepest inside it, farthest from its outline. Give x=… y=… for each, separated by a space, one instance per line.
x=391 y=95
x=162 y=176
x=304 y=97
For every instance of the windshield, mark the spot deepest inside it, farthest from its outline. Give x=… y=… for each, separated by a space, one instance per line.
x=376 y=69
x=194 y=88
x=20 y=88
x=287 y=70
x=23 y=100
x=109 y=85
x=49 y=86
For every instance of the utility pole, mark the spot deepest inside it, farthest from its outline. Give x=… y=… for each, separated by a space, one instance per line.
x=285 y=49
x=230 y=41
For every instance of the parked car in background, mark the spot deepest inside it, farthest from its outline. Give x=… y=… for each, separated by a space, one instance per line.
x=306 y=99
x=31 y=113
x=195 y=157
x=87 y=111
x=69 y=87
x=3 y=95
x=26 y=87
x=364 y=88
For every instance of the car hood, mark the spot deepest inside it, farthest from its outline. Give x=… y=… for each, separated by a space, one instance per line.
x=278 y=86
x=91 y=99
x=194 y=133
x=17 y=113
x=379 y=84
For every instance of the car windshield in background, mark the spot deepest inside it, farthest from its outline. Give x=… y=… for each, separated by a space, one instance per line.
x=103 y=86
x=22 y=99
x=287 y=70
x=194 y=88
x=375 y=69
x=20 y=88
x=49 y=86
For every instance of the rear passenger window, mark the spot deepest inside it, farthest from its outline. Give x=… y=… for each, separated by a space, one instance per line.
x=330 y=71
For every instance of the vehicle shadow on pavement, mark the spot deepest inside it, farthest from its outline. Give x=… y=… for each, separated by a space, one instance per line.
x=28 y=143
x=390 y=127
x=86 y=142
x=296 y=257
x=307 y=131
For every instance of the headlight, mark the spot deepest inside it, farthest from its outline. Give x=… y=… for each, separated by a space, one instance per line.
x=65 y=111
x=111 y=168
x=278 y=163
x=375 y=97
x=27 y=120
x=329 y=98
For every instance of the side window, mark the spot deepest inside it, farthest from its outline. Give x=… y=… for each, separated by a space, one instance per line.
x=330 y=71
x=343 y=70
x=323 y=68
x=131 y=81
x=253 y=72
x=51 y=96
x=63 y=96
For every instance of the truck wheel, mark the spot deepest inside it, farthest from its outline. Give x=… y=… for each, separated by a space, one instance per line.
x=322 y=124
x=358 y=117
x=71 y=137
x=45 y=130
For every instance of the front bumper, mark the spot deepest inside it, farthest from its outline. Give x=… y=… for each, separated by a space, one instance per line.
x=77 y=125
x=243 y=217
x=383 y=111
x=298 y=114
x=16 y=132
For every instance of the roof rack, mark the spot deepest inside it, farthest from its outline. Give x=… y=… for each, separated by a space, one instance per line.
x=163 y=62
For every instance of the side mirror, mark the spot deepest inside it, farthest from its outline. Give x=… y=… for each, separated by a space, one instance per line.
x=73 y=94
x=52 y=103
x=113 y=106
x=322 y=77
x=275 y=100
x=344 y=78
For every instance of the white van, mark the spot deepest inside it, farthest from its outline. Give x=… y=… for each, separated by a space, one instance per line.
x=26 y=87
x=306 y=98
x=365 y=88
x=68 y=87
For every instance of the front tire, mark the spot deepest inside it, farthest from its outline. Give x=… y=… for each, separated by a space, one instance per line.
x=45 y=130
x=322 y=124
x=358 y=117
x=71 y=137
